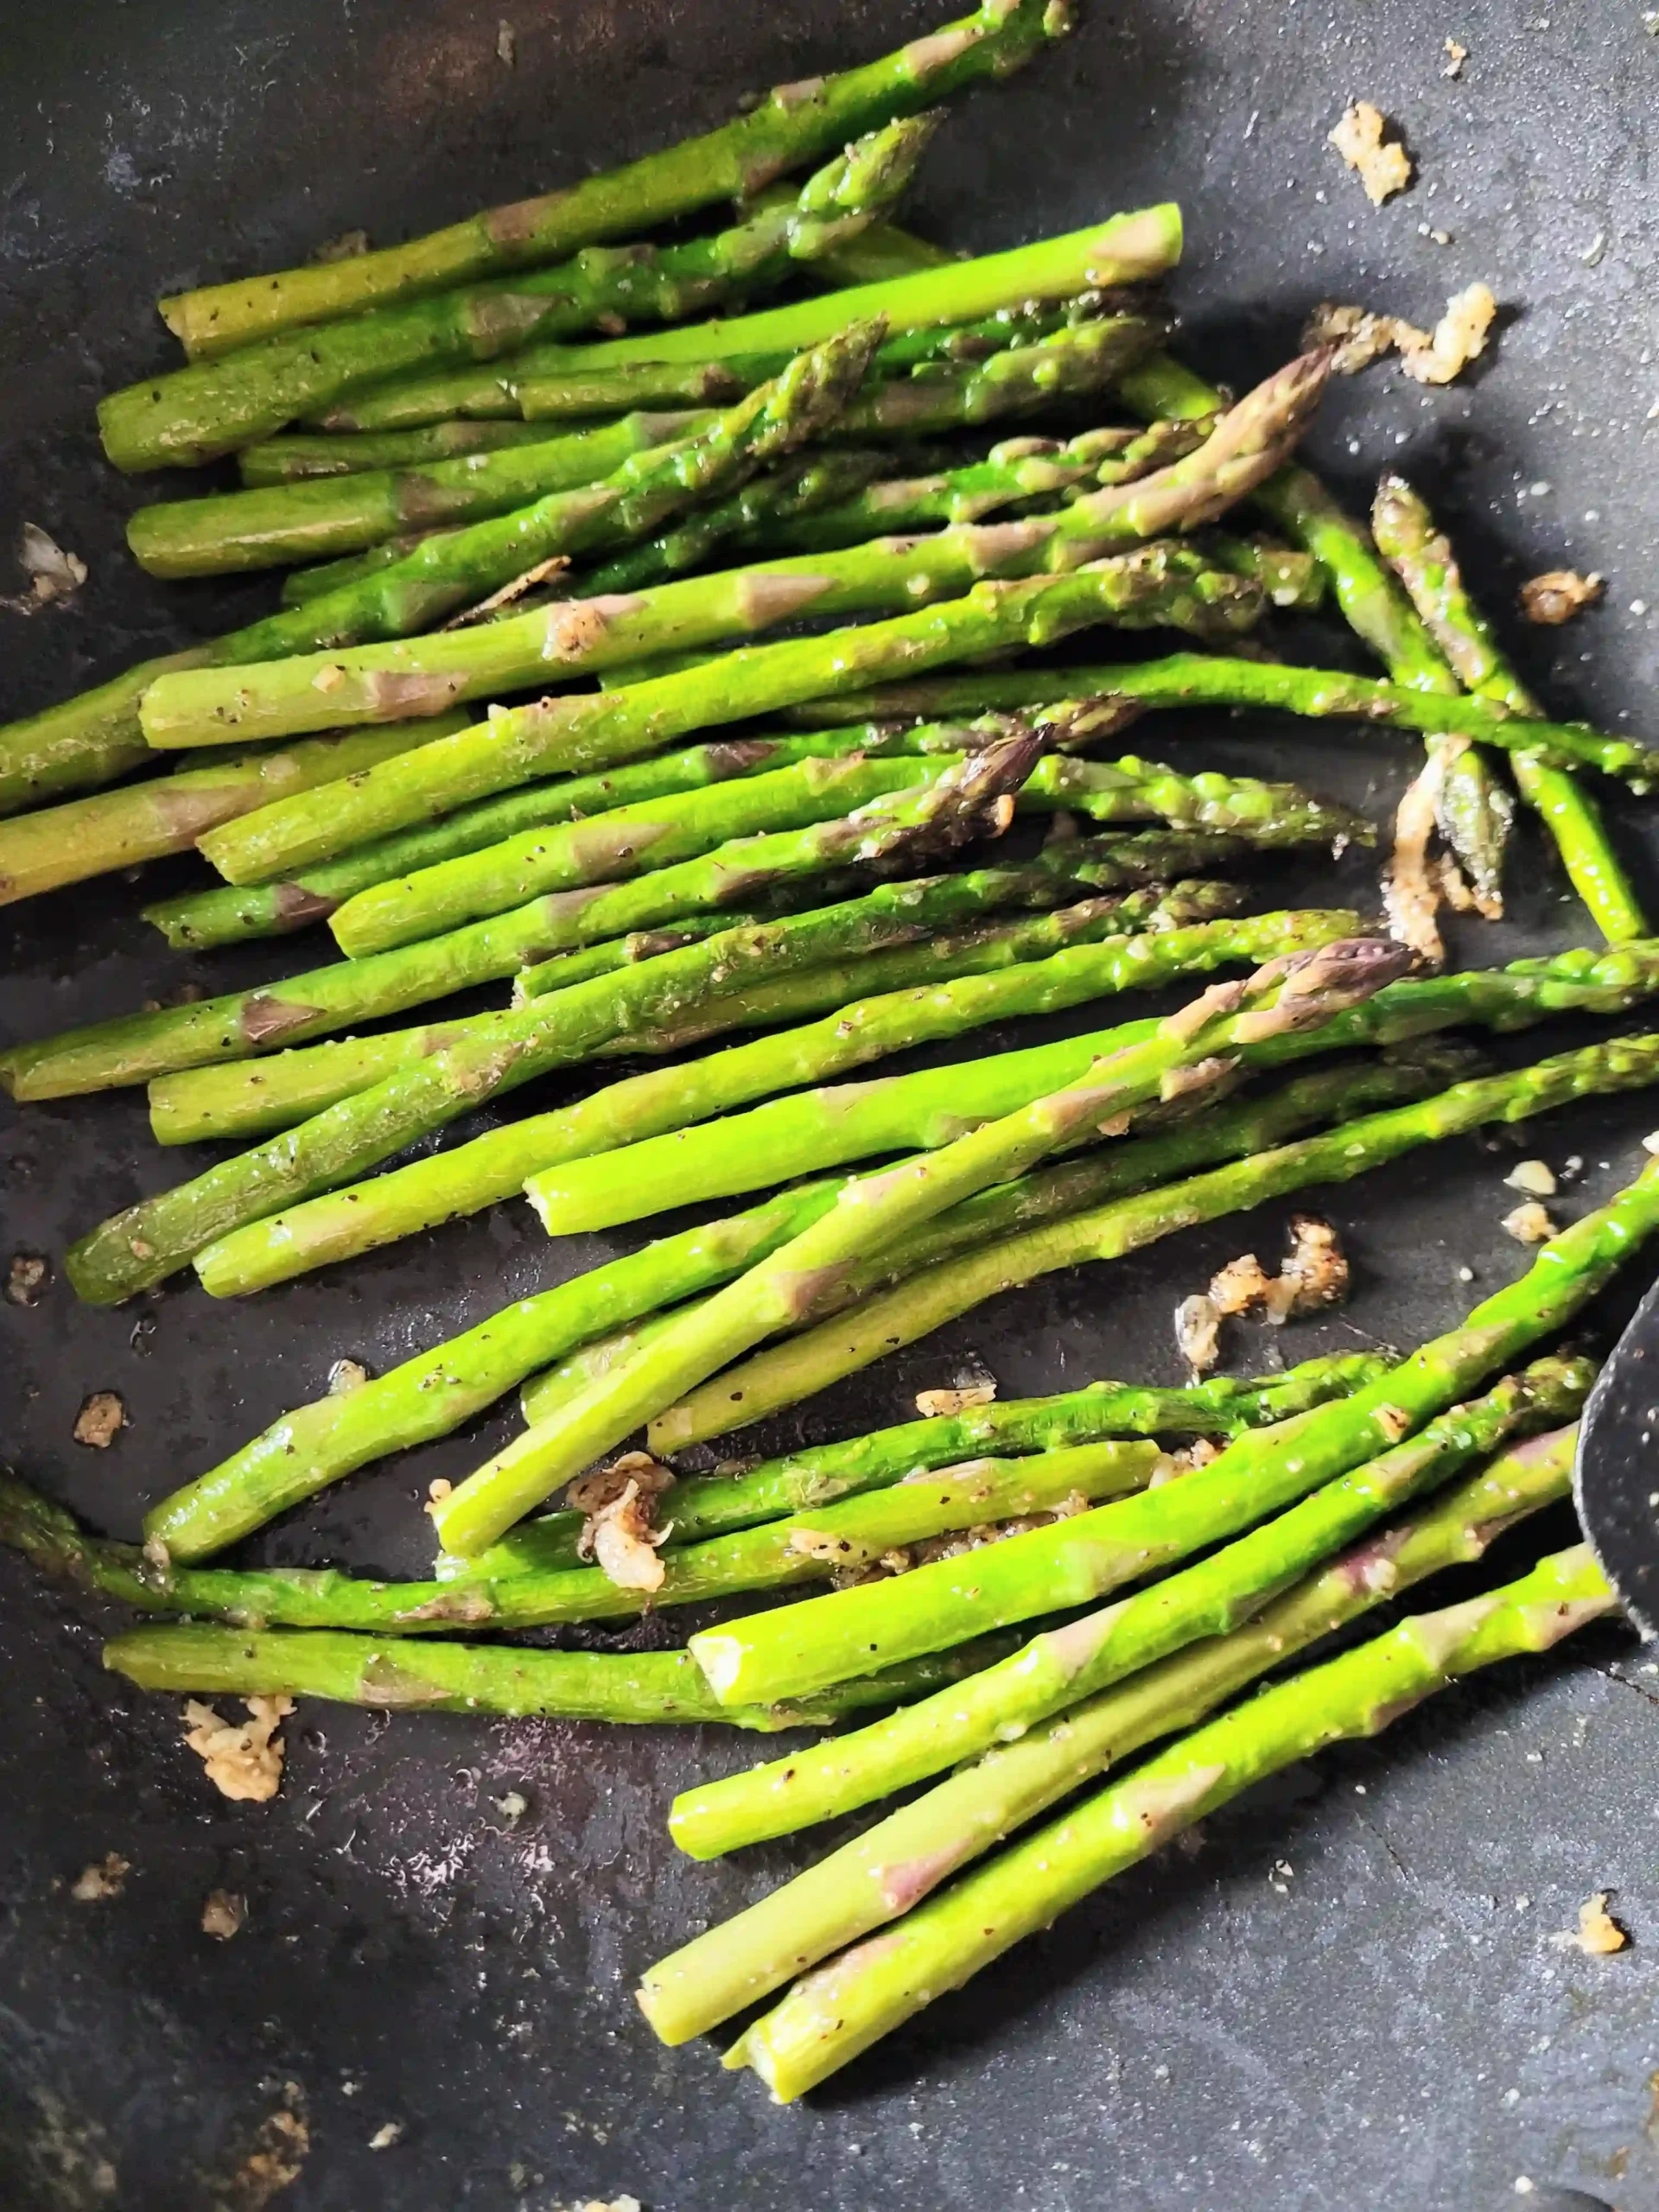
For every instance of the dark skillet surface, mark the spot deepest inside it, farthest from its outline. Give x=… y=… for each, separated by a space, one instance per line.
x=1385 y=2026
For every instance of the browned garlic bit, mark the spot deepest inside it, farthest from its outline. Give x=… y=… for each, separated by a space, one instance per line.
x=1197 y=1330
x=1534 y=1177
x=244 y=1761
x=1598 y=1934
x=222 y=1914
x=932 y=1403
x=1383 y=167
x=53 y=574
x=1315 y=1272
x=105 y=1877
x=620 y=1501
x=1560 y=594
x=101 y=1419
x=25 y=1279
x=1438 y=356
x=1456 y=55
x=1528 y=1224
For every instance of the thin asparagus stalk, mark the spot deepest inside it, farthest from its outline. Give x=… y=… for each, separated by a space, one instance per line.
x=726 y=823
x=501 y=1051
x=783 y=1374
x=1253 y=1477
x=1423 y=559
x=262 y=528
x=195 y=414
x=830 y=2015
x=888 y=1869
x=793 y=125
x=92 y=737
x=298 y=456
x=247 y=1098
x=1296 y=993
x=1473 y=810
x=298 y=1239
x=84 y=838
x=1054 y=1193
x=1289 y=576
x=889 y=576
x=809 y=1547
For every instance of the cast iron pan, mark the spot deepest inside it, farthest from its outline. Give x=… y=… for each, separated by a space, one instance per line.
x=1344 y=1996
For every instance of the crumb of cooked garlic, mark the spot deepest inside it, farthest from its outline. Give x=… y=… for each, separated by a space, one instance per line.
x=1238 y=1286
x=1598 y=1934
x=1560 y=594
x=1528 y=1224
x=100 y=1420
x=1358 y=336
x=438 y=1489
x=105 y=1877
x=1456 y=55
x=505 y=45
x=53 y=574
x=223 y=1912
x=934 y=1404
x=1411 y=890
x=1382 y=166
x=1534 y=1177
x=1198 y=1328
x=1315 y=1272
x=619 y=1535
x=244 y=1760
x=347 y=1376
x=385 y=2137
x=25 y=1278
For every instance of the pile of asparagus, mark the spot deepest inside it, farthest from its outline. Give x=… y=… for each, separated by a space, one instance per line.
x=922 y=831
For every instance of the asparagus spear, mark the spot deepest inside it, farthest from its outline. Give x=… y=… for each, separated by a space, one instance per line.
x=807 y=1547
x=497 y=1054
x=96 y=736
x=794 y=124
x=494 y=1166
x=888 y=1869
x=299 y=455
x=1253 y=1477
x=784 y=1374
x=1055 y=1193
x=262 y=528
x=1299 y=992
x=726 y=823
x=830 y=2015
x=1423 y=559
x=198 y=413
x=90 y=836
x=1474 y=811
x=886 y=575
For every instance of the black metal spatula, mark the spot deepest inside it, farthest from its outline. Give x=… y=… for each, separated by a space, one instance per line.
x=1616 y=1480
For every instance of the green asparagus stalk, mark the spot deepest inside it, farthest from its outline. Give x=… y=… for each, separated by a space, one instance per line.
x=263 y=528
x=1290 y=577
x=727 y=822
x=809 y=1547
x=622 y=630
x=1473 y=810
x=783 y=1374
x=1423 y=557
x=882 y=1873
x=1054 y=1193
x=195 y=414
x=830 y=2015
x=86 y=837
x=1296 y=993
x=501 y=1051
x=297 y=1239
x=96 y=736
x=1253 y=1477
x=300 y=457
x=795 y=124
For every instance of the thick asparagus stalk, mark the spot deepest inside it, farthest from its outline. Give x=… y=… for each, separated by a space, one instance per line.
x=830 y=2015
x=622 y=630
x=727 y=824
x=493 y=1167
x=863 y=1886
x=783 y=1374
x=90 y=836
x=1473 y=810
x=1253 y=1477
x=807 y=1547
x=1292 y=995
x=152 y=1239
x=300 y=455
x=1423 y=559
x=794 y=124
x=264 y=528
x=211 y=408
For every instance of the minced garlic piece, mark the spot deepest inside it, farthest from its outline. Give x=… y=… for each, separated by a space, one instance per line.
x=1382 y=167
x=1457 y=338
x=1536 y=1177
x=1558 y=595
x=100 y=1420
x=1598 y=1934
x=243 y=1761
x=1456 y=55
x=105 y=1877
x=1197 y=1327
x=931 y=1404
x=222 y=1914
x=1528 y=1224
